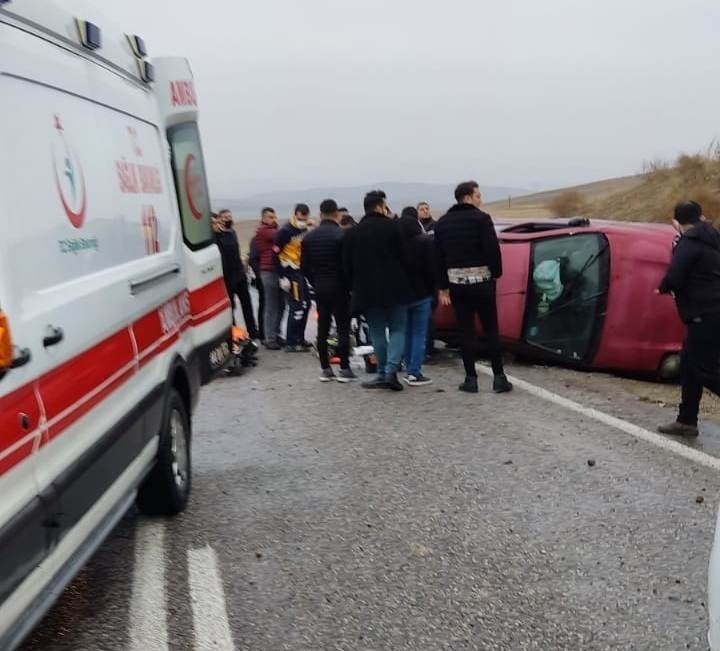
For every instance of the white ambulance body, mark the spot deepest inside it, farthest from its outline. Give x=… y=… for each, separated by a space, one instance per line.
x=110 y=287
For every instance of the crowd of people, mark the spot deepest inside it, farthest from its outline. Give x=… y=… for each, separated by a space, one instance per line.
x=394 y=270
x=391 y=270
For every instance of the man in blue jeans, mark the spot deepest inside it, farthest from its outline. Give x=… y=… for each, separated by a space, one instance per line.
x=375 y=266
x=421 y=263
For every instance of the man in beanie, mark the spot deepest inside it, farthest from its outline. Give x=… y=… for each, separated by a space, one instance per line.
x=693 y=278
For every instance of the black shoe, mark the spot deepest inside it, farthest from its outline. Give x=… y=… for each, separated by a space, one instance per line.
x=501 y=384
x=378 y=383
x=295 y=349
x=470 y=385
x=393 y=383
x=273 y=345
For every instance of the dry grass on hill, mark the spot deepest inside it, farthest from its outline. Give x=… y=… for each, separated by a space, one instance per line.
x=695 y=177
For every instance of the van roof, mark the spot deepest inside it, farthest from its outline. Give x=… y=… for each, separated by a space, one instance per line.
x=57 y=21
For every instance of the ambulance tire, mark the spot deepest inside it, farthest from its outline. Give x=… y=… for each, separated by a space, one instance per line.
x=166 y=489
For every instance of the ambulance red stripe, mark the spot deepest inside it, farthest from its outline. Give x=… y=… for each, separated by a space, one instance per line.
x=71 y=390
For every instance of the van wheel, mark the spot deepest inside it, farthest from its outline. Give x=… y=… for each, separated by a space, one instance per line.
x=166 y=489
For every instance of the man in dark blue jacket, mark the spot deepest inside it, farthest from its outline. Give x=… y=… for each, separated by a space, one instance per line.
x=321 y=264
x=693 y=278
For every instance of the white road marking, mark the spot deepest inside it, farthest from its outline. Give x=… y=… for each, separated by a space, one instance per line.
x=148 y=620
x=212 y=629
x=638 y=432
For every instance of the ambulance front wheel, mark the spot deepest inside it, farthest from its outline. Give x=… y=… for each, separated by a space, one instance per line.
x=166 y=489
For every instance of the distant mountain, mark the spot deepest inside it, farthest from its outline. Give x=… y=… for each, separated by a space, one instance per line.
x=438 y=195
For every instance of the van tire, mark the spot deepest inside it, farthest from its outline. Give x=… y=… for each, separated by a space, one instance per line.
x=166 y=490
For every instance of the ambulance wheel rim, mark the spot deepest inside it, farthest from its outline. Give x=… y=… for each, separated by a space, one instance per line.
x=179 y=450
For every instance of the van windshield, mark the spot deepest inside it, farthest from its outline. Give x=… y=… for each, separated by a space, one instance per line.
x=191 y=185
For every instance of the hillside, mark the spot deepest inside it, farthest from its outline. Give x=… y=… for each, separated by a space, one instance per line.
x=650 y=196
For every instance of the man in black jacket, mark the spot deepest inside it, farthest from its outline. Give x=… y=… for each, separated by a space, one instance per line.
x=469 y=262
x=234 y=270
x=321 y=264
x=374 y=261
x=694 y=280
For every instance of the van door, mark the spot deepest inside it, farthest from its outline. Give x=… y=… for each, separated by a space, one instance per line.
x=209 y=302
x=88 y=219
x=23 y=517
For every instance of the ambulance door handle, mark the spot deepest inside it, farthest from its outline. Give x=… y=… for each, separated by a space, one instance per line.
x=53 y=337
x=22 y=358
x=146 y=282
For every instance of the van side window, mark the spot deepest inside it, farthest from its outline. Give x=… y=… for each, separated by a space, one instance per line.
x=191 y=185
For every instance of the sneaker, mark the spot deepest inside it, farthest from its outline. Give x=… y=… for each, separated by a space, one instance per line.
x=378 y=383
x=346 y=375
x=679 y=429
x=273 y=345
x=418 y=380
x=295 y=349
x=393 y=383
x=501 y=384
x=470 y=385
x=327 y=375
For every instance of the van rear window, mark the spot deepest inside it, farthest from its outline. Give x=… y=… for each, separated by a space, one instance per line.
x=191 y=185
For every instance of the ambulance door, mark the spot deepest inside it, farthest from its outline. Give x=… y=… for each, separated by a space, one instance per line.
x=209 y=303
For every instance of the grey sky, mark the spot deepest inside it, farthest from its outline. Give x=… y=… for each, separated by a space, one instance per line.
x=523 y=93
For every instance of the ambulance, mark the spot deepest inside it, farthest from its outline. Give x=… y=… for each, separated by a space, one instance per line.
x=113 y=310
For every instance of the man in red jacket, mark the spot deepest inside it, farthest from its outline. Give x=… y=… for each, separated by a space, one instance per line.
x=274 y=297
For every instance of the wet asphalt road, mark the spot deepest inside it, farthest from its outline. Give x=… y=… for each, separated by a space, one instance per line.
x=327 y=517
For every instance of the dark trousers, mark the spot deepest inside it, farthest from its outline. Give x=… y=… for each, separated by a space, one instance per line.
x=298 y=301
x=700 y=366
x=261 y=305
x=337 y=305
x=242 y=291
x=468 y=301
x=430 y=342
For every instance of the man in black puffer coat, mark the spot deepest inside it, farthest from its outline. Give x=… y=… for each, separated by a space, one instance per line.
x=321 y=264
x=375 y=265
x=694 y=280
x=469 y=262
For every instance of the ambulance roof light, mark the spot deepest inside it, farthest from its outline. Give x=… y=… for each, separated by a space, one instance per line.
x=90 y=34
x=137 y=44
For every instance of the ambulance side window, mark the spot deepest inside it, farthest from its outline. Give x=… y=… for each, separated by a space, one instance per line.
x=191 y=185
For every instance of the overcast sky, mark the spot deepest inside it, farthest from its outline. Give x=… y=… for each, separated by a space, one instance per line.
x=523 y=93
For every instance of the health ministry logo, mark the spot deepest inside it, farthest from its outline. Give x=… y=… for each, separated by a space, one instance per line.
x=69 y=178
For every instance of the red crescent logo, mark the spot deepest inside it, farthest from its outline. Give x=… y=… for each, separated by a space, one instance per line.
x=188 y=188
x=77 y=219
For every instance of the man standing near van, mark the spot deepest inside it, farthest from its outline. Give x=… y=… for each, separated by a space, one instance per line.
x=321 y=264
x=288 y=249
x=269 y=277
x=469 y=263
x=693 y=278
x=234 y=271
x=425 y=217
x=374 y=262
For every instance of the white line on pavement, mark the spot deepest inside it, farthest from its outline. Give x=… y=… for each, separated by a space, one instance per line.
x=212 y=629
x=641 y=433
x=148 y=621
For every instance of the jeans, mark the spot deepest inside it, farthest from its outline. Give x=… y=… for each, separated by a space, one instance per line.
x=298 y=300
x=418 y=318
x=387 y=332
x=335 y=305
x=274 y=305
x=700 y=366
x=471 y=300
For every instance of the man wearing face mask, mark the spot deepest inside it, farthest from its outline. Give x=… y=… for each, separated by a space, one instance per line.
x=693 y=278
x=234 y=272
